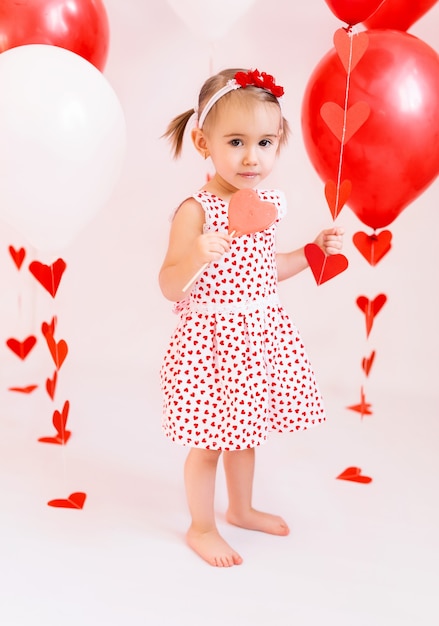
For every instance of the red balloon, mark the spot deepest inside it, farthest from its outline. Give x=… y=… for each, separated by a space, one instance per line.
x=80 y=26
x=353 y=11
x=399 y=14
x=394 y=156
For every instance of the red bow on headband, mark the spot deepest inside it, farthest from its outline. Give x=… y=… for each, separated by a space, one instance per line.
x=259 y=79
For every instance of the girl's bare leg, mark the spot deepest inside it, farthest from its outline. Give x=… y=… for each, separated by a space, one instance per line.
x=202 y=536
x=239 y=468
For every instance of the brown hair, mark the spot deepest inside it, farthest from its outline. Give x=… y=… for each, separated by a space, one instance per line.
x=176 y=128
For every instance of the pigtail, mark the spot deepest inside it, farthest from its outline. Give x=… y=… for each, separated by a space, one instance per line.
x=175 y=131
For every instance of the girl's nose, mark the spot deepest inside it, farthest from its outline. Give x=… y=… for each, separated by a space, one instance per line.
x=250 y=157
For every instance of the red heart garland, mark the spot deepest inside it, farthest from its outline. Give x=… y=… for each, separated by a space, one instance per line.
x=323 y=266
x=17 y=256
x=364 y=407
x=59 y=421
x=367 y=363
x=371 y=308
x=249 y=214
x=51 y=385
x=27 y=389
x=48 y=275
x=58 y=350
x=354 y=474
x=350 y=47
x=344 y=129
x=22 y=348
x=49 y=328
x=373 y=247
x=337 y=195
x=74 y=501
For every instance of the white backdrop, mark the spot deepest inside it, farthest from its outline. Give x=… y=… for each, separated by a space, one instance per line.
x=111 y=311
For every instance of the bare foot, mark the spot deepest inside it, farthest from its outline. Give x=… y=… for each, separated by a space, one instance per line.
x=212 y=548
x=257 y=520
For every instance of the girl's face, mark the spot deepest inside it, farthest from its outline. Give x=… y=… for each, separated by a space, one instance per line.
x=242 y=142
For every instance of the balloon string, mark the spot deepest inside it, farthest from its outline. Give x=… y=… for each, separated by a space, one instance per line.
x=345 y=115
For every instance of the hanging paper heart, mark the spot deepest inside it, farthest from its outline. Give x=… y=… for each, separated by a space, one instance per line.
x=22 y=348
x=249 y=214
x=17 y=256
x=337 y=196
x=371 y=308
x=367 y=363
x=364 y=408
x=48 y=275
x=354 y=474
x=59 y=421
x=74 y=501
x=27 y=389
x=344 y=129
x=49 y=328
x=58 y=350
x=323 y=266
x=373 y=247
x=51 y=385
x=350 y=47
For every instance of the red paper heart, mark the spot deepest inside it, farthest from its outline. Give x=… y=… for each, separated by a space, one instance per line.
x=51 y=385
x=49 y=328
x=371 y=308
x=373 y=247
x=350 y=47
x=58 y=350
x=74 y=501
x=364 y=407
x=367 y=363
x=354 y=474
x=344 y=129
x=22 y=348
x=48 y=275
x=249 y=214
x=17 y=256
x=337 y=195
x=59 y=421
x=323 y=266
x=27 y=389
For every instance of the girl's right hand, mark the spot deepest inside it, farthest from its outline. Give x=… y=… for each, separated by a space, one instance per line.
x=211 y=246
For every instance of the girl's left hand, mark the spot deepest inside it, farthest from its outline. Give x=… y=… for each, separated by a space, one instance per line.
x=330 y=240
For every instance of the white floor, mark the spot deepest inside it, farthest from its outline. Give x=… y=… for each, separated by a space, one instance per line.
x=358 y=554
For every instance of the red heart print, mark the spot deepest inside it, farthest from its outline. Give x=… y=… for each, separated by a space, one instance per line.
x=371 y=308
x=373 y=247
x=22 y=348
x=350 y=47
x=354 y=474
x=337 y=195
x=17 y=255
x=49 y=328
x=58 y=350
x=48 y=275
x=249 y=214
x=74 y=501
x=344 y=126
x=323 y=266
x=27 y=389
x=367 y=363
x=51 y=385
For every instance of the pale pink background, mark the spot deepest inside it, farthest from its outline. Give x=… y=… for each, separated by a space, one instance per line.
x=358 y=555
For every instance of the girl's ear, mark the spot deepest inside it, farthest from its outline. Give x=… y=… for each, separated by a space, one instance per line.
x=200 y=142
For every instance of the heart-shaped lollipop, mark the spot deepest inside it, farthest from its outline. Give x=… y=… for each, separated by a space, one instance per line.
x=247 y=214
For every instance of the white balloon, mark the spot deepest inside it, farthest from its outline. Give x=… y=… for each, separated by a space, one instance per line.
x=210 y=19
x=62 y=143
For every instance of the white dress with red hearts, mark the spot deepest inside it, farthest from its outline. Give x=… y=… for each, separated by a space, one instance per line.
x=236 y=367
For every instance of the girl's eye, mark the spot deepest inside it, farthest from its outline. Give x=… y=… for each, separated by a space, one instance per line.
x=236 y=142
x=264 y=143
